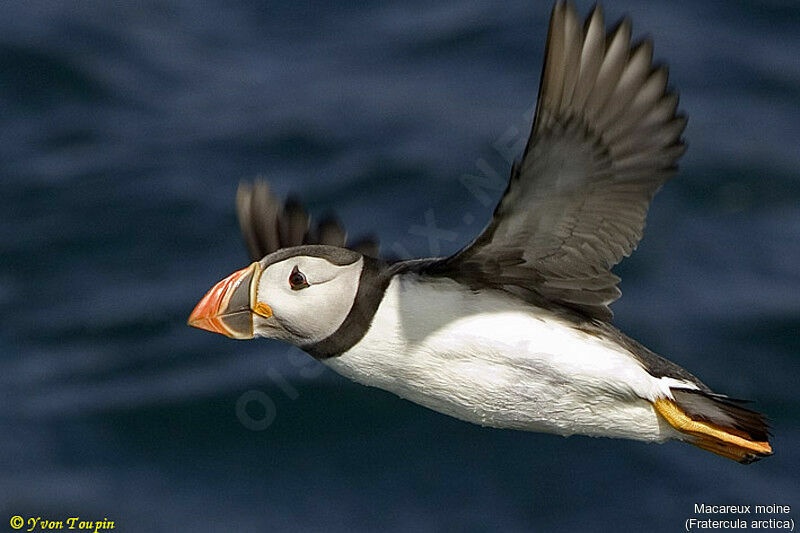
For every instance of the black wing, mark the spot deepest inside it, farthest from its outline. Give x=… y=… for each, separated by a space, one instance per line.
x=268 y=226
x=605 y=138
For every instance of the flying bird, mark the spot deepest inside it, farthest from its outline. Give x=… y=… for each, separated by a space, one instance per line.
x=514 y=330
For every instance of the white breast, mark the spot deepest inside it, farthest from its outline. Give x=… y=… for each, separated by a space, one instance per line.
x=494 y=360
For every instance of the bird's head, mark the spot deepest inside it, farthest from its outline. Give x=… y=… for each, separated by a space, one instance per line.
x=299 y=295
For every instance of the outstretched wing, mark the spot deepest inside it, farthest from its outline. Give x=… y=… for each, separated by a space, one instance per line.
x=268 y=226
x=605 y=138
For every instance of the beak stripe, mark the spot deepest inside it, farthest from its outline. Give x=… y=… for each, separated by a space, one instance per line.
x=254 y=282
x=257 y=307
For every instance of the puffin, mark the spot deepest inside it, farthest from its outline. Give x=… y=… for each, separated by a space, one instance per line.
x=514 y=330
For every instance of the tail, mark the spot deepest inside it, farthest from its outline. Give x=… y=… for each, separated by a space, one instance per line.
x=718 y=424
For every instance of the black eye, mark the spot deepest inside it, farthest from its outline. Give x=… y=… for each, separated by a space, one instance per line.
x=297 y=280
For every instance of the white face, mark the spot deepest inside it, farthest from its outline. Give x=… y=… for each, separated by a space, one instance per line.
x=307 y=312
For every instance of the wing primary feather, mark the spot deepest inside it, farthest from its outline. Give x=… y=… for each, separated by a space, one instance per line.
x=330 y=232
x=662 y=111
x=366 y=245
x=293 y=223
x=592 y=54
x=552 y=79
x=644 y=101
x=265 y=210
x=614 y=61
x=245 y=215
x=630 y=81
x=268 y=226
x=573 y=40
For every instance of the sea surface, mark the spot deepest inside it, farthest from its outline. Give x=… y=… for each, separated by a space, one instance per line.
x=124 y=131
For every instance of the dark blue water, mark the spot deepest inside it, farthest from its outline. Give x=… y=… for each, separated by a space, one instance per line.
x=123 y=134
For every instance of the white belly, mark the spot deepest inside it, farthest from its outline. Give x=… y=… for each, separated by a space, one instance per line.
x=495 y=361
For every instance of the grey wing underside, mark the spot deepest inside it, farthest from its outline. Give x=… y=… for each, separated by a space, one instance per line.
x=605 y=138
x=268 y=225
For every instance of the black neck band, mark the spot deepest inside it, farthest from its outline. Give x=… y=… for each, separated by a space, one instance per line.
x=371 y=287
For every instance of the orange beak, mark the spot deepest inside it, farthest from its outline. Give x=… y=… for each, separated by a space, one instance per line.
x=228 y=307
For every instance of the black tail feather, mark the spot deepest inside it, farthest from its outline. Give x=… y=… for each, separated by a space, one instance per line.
x=723 y=411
